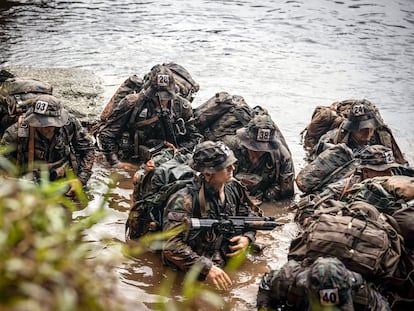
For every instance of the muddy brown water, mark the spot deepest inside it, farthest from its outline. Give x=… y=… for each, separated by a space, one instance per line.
x=288 y=56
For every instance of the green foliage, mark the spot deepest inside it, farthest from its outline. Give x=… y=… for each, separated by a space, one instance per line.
x=44 y=263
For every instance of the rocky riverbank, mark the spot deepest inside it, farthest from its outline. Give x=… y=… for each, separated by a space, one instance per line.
x=79 y=90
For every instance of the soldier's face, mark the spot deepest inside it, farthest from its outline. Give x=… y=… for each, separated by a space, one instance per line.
x=223 y=176
x=363 y=135
x=47 y=131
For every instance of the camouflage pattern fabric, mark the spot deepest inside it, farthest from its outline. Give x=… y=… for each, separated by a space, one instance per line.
x=331 y=165
x=222 y=115
x=70 y=142
x=185 y=84
x=300 y=286
x=272 y=176
x=201 y=247
x=125 y=119
x=15 y=97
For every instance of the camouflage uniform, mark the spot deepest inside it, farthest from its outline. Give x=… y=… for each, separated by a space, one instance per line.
x=347 y=183
x=70 y=144
x=376 y=158
x=136 y=125
x=273 y=174
x=203 y=247
x=324 y=285
x=361 y=116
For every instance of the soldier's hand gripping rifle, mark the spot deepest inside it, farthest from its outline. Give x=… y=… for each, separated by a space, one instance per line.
x=230 y=226
x=167 y=128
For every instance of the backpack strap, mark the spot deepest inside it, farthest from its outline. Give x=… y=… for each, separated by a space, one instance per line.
x=31 y=148
x=204 y=206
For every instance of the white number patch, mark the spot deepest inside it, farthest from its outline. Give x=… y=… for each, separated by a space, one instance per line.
x=263 y=135
x=163 y=80
x=358 y=110
x=41 y=107
x=329 y=297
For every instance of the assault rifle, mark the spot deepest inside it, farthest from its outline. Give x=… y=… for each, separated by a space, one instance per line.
x=230 y=226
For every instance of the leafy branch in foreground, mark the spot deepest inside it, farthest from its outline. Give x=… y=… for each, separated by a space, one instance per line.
x=44 y=263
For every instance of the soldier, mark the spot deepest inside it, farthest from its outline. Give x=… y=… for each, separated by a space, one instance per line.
x=362 y=127
x=264 y=164
x=145 y=121
x=324 y=285
x=217 y=195
x=48 y=137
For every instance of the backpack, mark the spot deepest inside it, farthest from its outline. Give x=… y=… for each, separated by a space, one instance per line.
x=222 y=115
x=285 y=289
x=331 y=165
x=152 y=192
x=185 y=84
x=326 y=118
x=362 y=238
x=16 y=95
x=323 y=120
x=279 y=289
x=387 y=193
x=131 y=85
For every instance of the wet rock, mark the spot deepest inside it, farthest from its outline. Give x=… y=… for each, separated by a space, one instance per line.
x=79 y=90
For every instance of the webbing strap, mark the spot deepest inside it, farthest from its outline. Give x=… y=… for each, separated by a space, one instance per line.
x=202 y=201
x=31 y=148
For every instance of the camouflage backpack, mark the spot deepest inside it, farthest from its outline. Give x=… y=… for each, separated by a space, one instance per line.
x=222 y=115
x=185 y=84
x=326 y=118
x=362 y=238
x=288 y=288
x=152 y=189
x=16 y=95
x=278 y=289
x=331 y=165
x=387 y=193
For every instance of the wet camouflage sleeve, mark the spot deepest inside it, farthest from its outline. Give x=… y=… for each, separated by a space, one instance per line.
x=114 y=126
x=197 y=247
x=10 y=139
x=176 y=250
x=284 y=185
x=84 y=149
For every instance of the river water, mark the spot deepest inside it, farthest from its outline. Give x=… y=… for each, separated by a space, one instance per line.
x=287 y=56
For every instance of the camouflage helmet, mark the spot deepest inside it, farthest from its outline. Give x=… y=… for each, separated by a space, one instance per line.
x=46 y=111
x=330 y=283
x=361 y=115
x=377 y=157
x=161 y=81
x=211 y=157
x=259 y=134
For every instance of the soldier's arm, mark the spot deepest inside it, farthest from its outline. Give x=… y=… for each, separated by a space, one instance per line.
x=287 y=174
x=84 y=149
x=10 y=139
x=176 y=250
x=116 y=123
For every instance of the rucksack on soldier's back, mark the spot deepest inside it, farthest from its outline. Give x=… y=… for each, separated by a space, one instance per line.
x=150 y=199
x=331 y=165
x=16 y=95
x=222 y=115
x=363 y=240
x=185 y=84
